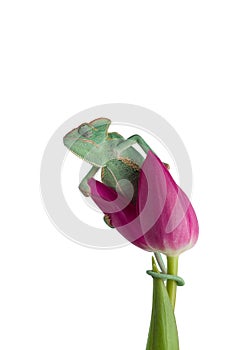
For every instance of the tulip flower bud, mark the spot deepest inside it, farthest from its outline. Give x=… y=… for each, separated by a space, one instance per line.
x=162 y=219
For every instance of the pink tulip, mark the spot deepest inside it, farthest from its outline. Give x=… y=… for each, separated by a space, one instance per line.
x=162 y=219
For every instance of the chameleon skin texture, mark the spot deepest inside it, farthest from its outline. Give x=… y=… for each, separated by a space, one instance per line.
x=162 y=219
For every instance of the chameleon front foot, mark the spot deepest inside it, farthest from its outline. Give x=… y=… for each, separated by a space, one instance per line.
x=107 y=220
x=85 y=189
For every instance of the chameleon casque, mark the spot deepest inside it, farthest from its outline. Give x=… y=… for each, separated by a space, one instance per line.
x=109 y=151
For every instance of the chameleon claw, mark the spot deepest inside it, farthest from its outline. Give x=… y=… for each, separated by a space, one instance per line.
x=107 y=220
x=86 y=194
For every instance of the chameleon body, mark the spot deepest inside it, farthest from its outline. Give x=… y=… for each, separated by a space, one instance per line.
x=109 y=151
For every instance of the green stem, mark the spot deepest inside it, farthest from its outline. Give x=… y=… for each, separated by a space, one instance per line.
x=172 y=269
x=163 y=331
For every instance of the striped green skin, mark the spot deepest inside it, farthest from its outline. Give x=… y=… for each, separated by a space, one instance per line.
x=119 y=169
x=126 y=167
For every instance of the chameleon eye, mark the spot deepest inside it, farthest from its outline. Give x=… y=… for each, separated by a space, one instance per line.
x=85 y=130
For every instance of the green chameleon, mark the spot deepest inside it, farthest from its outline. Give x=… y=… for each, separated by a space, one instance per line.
x=112 y=153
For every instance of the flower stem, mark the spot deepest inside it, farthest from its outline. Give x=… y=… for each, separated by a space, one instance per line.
x=163 y=331
x=172 y=269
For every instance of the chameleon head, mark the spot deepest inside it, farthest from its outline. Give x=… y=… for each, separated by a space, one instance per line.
x=87 y=136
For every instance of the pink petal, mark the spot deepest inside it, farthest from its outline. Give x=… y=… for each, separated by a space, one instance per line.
x=166 y=214
x=122 y=213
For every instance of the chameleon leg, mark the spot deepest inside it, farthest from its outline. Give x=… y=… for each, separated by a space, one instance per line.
x=133 y=140
x=141 y=142
x=83 y=186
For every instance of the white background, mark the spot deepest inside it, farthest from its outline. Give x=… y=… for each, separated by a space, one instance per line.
x=58 y=58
